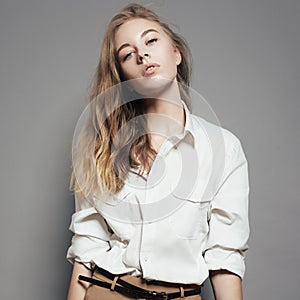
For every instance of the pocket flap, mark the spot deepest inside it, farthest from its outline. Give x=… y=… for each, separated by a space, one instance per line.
x=196 y=192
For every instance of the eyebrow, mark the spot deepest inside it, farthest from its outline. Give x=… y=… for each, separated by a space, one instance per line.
x=141 y=36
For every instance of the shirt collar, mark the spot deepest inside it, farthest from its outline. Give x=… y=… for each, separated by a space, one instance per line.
x=188 y=131
x=188 y=126
x=188 y=135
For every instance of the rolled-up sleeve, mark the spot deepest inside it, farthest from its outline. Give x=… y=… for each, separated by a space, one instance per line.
x=91 y=235
x=229 y=225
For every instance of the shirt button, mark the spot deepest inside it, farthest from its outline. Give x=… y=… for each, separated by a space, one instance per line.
x=145 y=258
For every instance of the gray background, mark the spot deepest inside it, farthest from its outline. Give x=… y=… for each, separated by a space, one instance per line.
x=246 y=64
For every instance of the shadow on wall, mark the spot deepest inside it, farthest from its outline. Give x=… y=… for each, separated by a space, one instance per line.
x=207 y=293
x=64 y=239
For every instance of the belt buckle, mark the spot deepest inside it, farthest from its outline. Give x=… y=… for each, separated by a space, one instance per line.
x=159 y=295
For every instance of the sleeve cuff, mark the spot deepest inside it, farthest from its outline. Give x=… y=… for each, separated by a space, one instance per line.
x=85 y=248
x=220 y=259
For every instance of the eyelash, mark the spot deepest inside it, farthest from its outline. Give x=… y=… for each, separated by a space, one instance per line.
x=151 y=41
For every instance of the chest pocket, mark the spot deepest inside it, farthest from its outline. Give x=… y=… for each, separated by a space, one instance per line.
x=190 y=220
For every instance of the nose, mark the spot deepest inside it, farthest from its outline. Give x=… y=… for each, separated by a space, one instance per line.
x=142 y=56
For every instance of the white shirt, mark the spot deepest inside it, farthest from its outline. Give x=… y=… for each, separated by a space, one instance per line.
x=188 y=216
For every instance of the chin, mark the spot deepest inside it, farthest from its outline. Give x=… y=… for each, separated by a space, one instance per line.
x=153 y=86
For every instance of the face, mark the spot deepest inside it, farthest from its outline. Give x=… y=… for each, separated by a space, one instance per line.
x=144 y=50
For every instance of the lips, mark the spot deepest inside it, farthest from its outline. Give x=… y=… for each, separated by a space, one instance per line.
x=150 y=69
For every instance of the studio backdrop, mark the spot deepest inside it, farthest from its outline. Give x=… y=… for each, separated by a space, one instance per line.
x=245 y=64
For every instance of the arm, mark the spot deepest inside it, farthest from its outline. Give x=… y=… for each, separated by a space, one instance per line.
x=229 y=228
x=223 y=280
x=90 y=240
x=77 y=289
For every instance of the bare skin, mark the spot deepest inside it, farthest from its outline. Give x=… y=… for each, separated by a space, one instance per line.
x=142 y=42
x=173 y=122
x=77 y=288
x=226 y=285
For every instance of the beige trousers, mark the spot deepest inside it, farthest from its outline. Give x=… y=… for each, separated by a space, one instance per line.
x=95 y=292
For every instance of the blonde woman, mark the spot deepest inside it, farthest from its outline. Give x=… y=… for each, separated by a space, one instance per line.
x=146 y=225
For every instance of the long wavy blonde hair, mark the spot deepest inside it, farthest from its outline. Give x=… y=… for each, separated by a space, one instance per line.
x=99 y=163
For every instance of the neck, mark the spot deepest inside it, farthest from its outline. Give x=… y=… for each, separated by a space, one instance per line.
x=163 y=102
x=165 y=114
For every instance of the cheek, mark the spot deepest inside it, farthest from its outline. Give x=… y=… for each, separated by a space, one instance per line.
x=171 y=64
x=172 y=57
x=126 y=73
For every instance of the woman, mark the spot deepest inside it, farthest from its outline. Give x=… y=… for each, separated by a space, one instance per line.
x=148 y=211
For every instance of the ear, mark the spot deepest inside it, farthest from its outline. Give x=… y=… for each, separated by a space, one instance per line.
x=177 y=55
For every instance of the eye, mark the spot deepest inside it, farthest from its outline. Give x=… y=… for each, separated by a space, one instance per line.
x=152 y=41
x=127 y=56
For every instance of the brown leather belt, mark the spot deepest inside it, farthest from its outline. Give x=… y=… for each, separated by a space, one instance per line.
x=134 y=291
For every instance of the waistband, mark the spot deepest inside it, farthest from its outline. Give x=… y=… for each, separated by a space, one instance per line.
x=138 y=287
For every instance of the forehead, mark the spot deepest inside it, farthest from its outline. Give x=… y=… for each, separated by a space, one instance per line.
x=133 y=28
